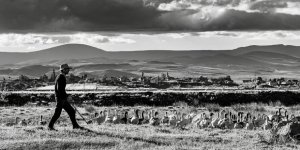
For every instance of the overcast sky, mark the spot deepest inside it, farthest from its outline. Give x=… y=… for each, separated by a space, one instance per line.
x=117 y=25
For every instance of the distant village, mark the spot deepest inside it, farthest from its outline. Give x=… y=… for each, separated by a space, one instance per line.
x=162 y=81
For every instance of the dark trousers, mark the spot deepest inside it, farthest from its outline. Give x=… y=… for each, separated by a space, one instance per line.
x=63 y=104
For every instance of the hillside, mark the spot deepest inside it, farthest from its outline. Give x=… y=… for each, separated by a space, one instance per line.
x=227 y=60
x=78 y=53
x=34 y=70
x=281 y=49
x=69 y=51
x=107 y=73
x=102 y=67
x=270 y=55
x=272 y=59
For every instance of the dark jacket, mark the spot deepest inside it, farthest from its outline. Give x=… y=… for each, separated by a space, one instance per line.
x=60 y=87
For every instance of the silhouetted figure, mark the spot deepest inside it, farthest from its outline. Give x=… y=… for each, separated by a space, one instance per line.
x=61 y=99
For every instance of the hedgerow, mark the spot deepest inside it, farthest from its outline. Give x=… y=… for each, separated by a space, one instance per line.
x=159 y=99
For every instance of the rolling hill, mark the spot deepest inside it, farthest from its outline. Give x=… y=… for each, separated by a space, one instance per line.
x=108 y=73
x=92 y=67
x=78 y=53
x=69 y=51
x=34 y=70
x=280 y=49
x=94 y=61
x=270 y=55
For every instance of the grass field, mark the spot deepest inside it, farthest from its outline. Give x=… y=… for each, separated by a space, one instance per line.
x=120 y=136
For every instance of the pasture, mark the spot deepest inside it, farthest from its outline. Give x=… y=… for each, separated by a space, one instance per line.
x=130 y=136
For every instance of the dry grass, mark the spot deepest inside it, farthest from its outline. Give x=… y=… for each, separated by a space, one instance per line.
x=295 y=108
x=250 y=107
x=109 y=136
x=212 y=107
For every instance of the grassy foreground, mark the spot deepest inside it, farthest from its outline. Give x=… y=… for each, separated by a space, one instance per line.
x=131 y=137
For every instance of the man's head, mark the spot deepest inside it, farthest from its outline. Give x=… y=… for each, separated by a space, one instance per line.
x=64 y=68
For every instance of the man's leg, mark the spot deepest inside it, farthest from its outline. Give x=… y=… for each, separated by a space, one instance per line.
x=72 y=114
x=58 y=109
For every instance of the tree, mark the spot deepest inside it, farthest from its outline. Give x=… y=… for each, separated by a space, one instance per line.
x=163 y=76
x=44 y=78
x=228 y=78
x=203 y=79
x=3 y=84
x=84 y=76
x=53 y=76
x=23 y=78
x=104 y=78
x=259 y=79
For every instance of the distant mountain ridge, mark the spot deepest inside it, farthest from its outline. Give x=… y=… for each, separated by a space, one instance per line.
x=272 y=55
x=280 y=49
x=69 y=51
x=34 y=70
x=80 y=52
x=94 y=61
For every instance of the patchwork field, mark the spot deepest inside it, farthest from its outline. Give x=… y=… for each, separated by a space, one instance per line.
x=128 y=136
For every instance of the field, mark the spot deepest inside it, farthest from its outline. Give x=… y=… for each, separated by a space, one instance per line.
x=127 y=136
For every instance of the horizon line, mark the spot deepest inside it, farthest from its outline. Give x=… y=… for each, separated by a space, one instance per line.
x=70 y=44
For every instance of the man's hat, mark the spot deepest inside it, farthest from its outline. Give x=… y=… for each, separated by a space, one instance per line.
x=64 y=66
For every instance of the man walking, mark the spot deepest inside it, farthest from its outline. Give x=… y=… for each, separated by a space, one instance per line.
x=61 y=99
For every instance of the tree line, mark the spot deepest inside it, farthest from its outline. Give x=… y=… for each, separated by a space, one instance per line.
x=157 y=99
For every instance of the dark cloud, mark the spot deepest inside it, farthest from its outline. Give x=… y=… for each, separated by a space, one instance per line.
x=26 y=14
x=240 y=20
x=230 y=20
x=99 y=15
x=268 y=5
x=75 y=14
x=113 y=12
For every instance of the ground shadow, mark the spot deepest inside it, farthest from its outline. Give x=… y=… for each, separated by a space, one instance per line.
x=150 y=141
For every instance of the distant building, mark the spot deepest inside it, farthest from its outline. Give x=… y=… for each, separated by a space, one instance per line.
x=132 y=79
x=272 y=83
x=2 y=85
x=154 y=80
x=124 y=79
x=295 y=81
